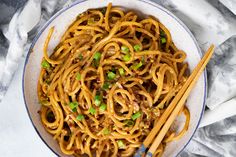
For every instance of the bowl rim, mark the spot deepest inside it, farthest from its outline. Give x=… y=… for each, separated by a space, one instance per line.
x=77 y=2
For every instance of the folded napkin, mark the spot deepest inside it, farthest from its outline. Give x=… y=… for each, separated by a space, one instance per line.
x=215 y=140
x=222 y=74
x=209 y=20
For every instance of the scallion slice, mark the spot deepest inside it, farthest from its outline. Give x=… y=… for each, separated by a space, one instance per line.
x=81 y=57
x=163 y=40
x=111 y=75
x=74 y=109
x=136 y=66
x=106 y=86
x=97 y=100
x=92 y=110
x=73 y=106
x=45 y=64
x=120 y=144
x=106 y=131
x=129 y=122
x=97 y=56
x=121 y=71
x=124 y=49
x=137 y=47
x=126 y=57
x=78 y=77
x=136 y=115
x=162 y=33
x=103 y=107
x=80 y=117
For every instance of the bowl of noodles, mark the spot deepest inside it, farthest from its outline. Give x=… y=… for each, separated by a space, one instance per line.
x=100 y=74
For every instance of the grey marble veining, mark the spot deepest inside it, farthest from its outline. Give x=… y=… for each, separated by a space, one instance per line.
x=209 y=20
x=218 y=139
x=222 y=74
x=8 y=9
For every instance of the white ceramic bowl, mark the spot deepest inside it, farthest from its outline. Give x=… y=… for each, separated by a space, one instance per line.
x=181 y=35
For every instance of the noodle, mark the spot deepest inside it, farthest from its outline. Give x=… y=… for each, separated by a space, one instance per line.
x=108 y=81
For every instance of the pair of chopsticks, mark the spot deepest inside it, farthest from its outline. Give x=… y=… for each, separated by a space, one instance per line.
x=169 y=115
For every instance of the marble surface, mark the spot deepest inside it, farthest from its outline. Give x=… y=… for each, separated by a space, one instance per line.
x=213 y=23
x=17 y=135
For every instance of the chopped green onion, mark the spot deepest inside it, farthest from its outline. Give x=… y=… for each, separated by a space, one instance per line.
x=126 y=57
x=120 y=144
x=162 y=33
x=48 y=81
x=45 y=64
x=90 y=21
x=124 y=49
x=103 y=107
x=80 y=117
x=136 y=66
x=78 y=77
x=106 y=85
x=121 y=71
x=136 y=115
x=97 y=56
x=92 y=110
x=111 y=75
x=73 y=105
x=81 y=57
x=129 y=122
x=97 y=100
x=74 y=109
x=163 y=40
x=143 y=59
x=137 y=47
x=106 y=131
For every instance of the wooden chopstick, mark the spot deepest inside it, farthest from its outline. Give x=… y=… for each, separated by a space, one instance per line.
x=172 y=105
x=180 y=104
